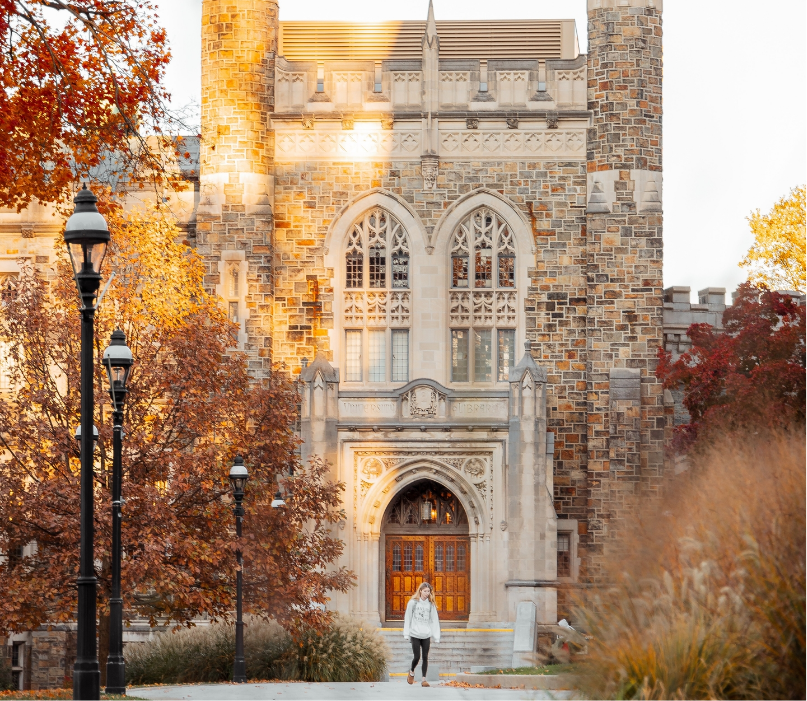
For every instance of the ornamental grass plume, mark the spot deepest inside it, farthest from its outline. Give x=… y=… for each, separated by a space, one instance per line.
x=708 y=598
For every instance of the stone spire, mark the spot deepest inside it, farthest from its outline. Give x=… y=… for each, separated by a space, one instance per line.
x=431 y=100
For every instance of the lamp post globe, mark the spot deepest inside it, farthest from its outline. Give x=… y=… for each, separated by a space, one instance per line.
x=87 y=237
x=238 y=481
x=118 y=361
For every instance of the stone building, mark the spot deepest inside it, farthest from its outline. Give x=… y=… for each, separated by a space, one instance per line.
x=451 y=231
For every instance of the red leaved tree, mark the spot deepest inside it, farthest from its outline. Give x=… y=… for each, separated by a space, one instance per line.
x=752 y=373
x=191 y=408
x=82 y=86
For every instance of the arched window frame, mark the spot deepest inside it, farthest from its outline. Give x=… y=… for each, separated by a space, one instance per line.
x=377 y=301
x=483 y=298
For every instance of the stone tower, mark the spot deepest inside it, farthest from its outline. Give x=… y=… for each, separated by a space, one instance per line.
x=624 y=260
x=234 y=217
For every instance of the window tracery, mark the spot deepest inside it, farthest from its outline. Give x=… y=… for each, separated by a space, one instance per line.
x=483 y=299
x=377 y=297
x=427 y=503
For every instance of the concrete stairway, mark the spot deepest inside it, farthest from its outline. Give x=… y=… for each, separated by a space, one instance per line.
x=459 y=649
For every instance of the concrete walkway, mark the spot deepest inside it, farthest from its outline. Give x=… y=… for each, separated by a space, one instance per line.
x=389 y=691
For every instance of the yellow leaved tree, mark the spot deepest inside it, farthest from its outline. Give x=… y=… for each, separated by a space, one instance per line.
x=777 y=257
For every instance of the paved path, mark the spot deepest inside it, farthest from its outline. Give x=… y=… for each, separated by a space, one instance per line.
x=389 y=691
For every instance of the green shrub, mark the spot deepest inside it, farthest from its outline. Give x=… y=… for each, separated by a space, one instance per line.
x=344 y=653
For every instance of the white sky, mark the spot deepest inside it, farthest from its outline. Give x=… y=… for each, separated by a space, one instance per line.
x=734 y=107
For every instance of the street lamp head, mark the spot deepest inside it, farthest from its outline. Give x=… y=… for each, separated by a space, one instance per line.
x=278 y=500
x=118 y=363
x=238 y=477
x=87 y=237
x=95 y=435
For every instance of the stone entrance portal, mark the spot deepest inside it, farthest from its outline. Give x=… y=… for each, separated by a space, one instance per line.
x=426 y=538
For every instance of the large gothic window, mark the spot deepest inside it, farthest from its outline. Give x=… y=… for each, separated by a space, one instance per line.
x=483 y=298
x=377 y=300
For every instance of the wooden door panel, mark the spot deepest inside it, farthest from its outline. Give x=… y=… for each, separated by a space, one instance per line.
x=439 y=561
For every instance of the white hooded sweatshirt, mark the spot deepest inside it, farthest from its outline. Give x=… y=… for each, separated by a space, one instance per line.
x=421 y=620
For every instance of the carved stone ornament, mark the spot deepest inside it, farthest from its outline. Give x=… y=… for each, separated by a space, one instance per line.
x=512 y=123
x=503 y=525
x=372 y=469
x=552 y=120
x=472 y=123
x=27 y=231
x=423 y=401
x=348 y=124
x=475 y=468
x=428 y=167
x=308 y=123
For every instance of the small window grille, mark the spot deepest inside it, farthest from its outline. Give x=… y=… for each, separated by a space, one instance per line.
x=400 y=271
x=564 y=555
x=482 y=355
x=378 y=267
x=400 y=355
x=407 y=558
x=396 y=558
x=378 y=359
x=418 y=558
x=449 y=558
x=459 y=355
x=459 y=271
x=438 y=558
x=483 y=273
x=353 y=356
x=460 y=558
x=506 y=353
x=507 y=271
x=355 y=270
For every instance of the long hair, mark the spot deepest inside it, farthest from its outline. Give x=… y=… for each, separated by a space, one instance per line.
x=423 y=585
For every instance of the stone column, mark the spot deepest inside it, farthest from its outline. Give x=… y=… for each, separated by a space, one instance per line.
x=532 y=541
x=319 y=411
x=239 y=45
x=624 y=255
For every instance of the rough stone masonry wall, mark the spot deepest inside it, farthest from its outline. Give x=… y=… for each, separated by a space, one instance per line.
x=239 y=45
x=551 y=194
x=624 y=252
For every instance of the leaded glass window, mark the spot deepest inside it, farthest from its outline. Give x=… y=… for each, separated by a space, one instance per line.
x=407 y=558
x=377 y=296
x=418 y=558
x=564 y=554
x=396 y=558
x=483 y=302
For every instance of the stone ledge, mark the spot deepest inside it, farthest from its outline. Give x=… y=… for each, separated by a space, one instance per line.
x=519 y=681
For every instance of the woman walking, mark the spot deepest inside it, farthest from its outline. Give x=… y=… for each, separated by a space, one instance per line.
x=421 y=624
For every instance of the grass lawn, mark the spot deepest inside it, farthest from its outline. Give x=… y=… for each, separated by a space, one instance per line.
x=546 y=669
x=57 y=694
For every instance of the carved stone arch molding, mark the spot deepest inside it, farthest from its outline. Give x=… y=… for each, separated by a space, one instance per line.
x=463 y=206
x=372 y=506
x=350 y=212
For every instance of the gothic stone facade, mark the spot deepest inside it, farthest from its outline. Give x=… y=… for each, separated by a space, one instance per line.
x=453 y=232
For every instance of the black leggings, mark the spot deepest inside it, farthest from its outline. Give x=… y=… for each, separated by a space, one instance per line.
x=417 y=644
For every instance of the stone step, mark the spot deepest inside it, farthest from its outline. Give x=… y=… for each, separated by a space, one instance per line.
x=457 y=650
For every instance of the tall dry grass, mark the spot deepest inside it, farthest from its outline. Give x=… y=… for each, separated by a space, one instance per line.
x=708 y=599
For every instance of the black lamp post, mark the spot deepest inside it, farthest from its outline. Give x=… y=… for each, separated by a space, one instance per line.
x=238 y=480
x=86 y=236
x=118 y=362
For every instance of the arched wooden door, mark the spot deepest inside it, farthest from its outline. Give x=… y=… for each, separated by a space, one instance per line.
x=426 y=539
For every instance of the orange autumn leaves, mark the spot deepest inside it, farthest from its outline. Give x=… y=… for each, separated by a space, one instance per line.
x=192 y=407
x=82 y=85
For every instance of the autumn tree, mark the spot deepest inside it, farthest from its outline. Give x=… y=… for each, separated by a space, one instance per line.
x=777 y=258
x=191 y=408
x=82 y=93
x=752 y=373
